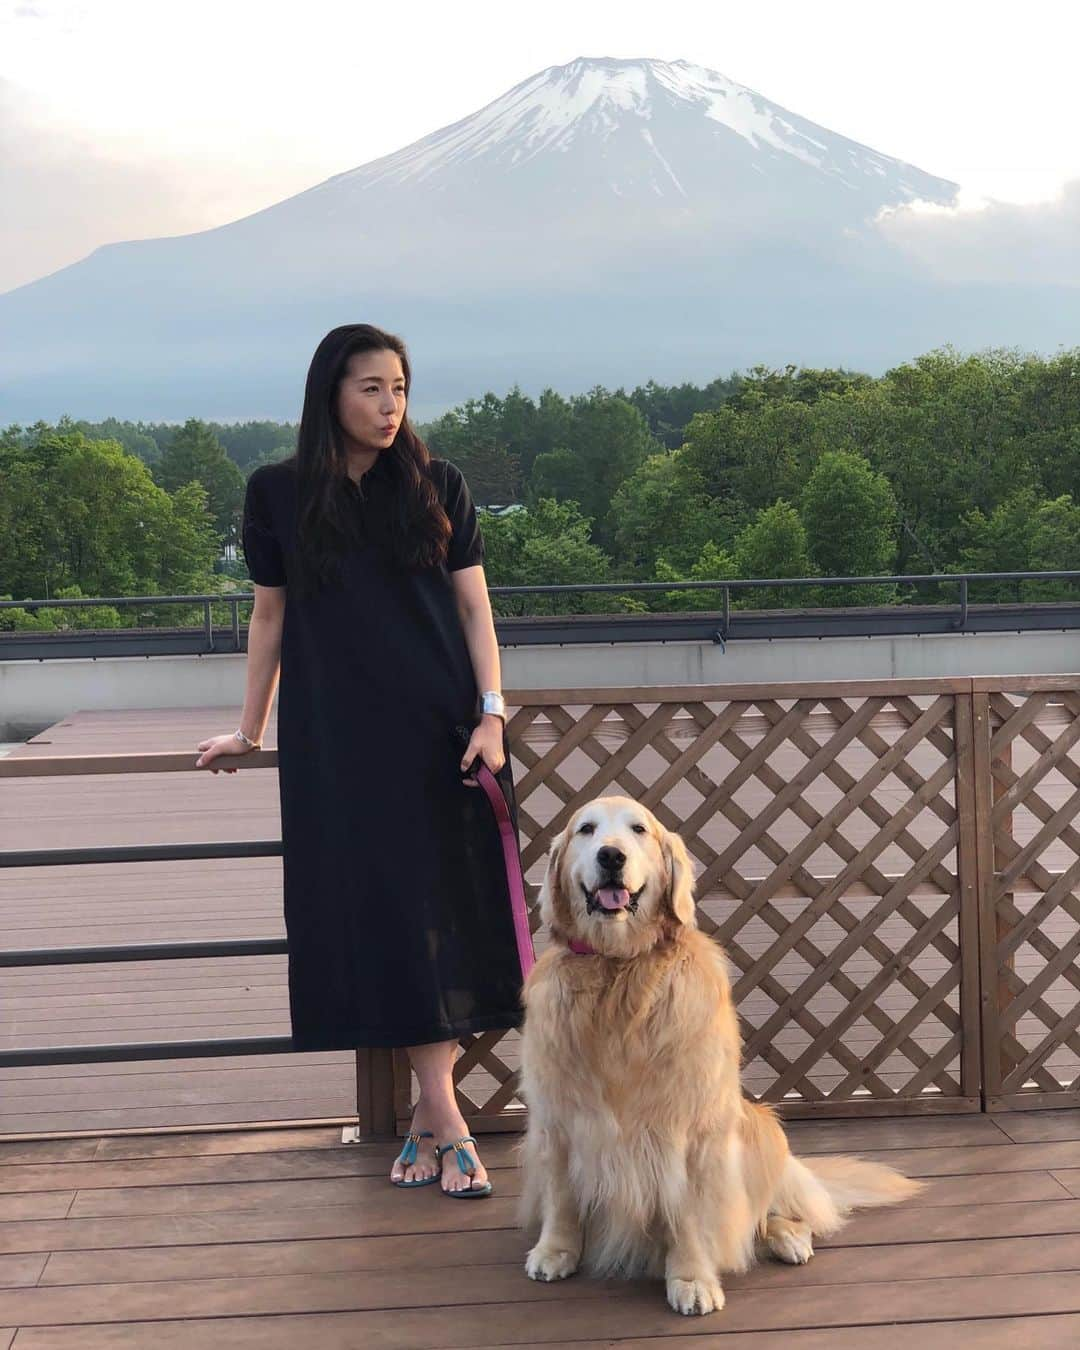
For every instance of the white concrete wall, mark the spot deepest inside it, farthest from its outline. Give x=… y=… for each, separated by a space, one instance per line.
x=33 y=694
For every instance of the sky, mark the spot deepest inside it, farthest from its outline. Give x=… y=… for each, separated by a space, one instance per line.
x=125 y=119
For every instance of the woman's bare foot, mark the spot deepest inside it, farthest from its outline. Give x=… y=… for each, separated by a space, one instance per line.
x=426 y=1164
x=447 y=1129
x=437 y=1110
x=454 y=1175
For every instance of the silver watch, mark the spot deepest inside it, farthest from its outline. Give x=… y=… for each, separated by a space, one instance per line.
x=246 y=741
x=493 y=702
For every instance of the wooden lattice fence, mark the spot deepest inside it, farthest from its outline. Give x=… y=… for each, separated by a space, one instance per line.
x=840 y=838
x=1028 y=775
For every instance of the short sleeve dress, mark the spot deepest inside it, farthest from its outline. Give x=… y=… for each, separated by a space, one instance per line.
x=396 y=901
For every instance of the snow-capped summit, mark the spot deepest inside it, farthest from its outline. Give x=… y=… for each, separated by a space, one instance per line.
x=656 y=102
x=600 y=132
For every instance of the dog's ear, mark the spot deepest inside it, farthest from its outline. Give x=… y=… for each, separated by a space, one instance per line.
x=680 y=880
x=549 y=888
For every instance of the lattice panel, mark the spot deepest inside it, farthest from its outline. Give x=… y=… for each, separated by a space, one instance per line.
x=1031 y=902
x=823 y=823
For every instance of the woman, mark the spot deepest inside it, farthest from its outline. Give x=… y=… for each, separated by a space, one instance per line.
x=371 y=604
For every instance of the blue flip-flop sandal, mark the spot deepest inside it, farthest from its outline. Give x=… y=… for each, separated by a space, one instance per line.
x=466 y=1164
x=408 y=1156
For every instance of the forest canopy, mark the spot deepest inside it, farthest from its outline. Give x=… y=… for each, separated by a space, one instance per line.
x=950 y=462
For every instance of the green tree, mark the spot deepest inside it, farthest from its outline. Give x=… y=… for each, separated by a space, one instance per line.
x=950 y=444
x=611 y=439
x=663 y=510
x=850 y=516
x=762 y=385
x=471 y=437
x=669 y=408
x=712 y=564
x=196 y=455
x=1023 y=534
x=774 y=545
x=561 y=475
x=547 y=544
x=88 y=514
x=752 y=455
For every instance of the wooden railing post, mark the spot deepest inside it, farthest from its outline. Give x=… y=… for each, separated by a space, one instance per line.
x=375 y=1114
x=995 y=993
x=968 y=728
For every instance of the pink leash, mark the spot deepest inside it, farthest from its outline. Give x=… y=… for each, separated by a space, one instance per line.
x=514 y=879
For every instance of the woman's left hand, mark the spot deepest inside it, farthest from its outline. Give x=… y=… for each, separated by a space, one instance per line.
x=487 y=742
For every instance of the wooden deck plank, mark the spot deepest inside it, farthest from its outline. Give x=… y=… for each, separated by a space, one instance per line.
x=487 y=1247
x=831 y=1265
x=467 y=1286
x=1060 y=1332
x=1070 y=1179
x=253 y=1112
x=808 y=1137
x=954 y=1223
x=934 y=1162
x=910 y=1224
x=1028 y=1127
x=48 y=1150
x=25 y=1269
x=380 y=1202
x=639 y=1309
x=346 y=1331
x=253 y=1225
x=37 y=1205
x=212 y=1144
x=358 y=1160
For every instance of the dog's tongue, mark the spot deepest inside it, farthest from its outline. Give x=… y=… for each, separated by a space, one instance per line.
x=613 y=897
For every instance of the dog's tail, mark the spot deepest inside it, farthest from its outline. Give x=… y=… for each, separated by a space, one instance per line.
x=822 y=1192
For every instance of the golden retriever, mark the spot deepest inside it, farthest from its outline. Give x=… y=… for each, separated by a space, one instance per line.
x=642 y=1156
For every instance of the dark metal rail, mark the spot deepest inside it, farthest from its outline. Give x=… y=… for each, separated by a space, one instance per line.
x=721 y=625
x=152 y=951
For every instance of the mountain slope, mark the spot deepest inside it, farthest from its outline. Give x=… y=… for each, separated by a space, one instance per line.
x=606 y=219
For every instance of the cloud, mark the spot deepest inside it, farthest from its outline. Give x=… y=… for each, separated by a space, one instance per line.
x=67 y=189
x=63 y=196
x=1002 y=242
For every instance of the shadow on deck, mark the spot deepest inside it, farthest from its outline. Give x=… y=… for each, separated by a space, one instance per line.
x=274 y=1238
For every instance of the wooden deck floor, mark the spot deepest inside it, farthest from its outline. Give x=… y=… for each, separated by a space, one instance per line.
x=280 y=1238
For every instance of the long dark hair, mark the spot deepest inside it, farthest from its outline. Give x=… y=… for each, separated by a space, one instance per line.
x=418 y=528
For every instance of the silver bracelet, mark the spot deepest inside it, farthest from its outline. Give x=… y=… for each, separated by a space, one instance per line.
x=493 y=702
x=246 y=741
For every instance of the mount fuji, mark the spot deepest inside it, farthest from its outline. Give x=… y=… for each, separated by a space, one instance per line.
x=603 y=221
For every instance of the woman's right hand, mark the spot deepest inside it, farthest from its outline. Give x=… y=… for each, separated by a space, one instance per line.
x=218 y=747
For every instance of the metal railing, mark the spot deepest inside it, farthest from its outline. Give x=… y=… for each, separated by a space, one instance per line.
x=155 y=951
x=721 y=625
x=374 y=1079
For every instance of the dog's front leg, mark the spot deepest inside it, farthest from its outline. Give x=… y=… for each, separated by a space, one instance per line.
x=557 y=1253
x=693 y=1283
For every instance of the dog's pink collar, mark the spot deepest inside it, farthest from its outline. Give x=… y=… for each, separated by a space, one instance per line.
x=581 y=948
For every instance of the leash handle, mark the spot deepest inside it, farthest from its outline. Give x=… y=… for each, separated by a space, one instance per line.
x=512 y=859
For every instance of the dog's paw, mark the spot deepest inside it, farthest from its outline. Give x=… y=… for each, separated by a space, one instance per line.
x=790 y=1241
x=550 y=1263
x=691 y=1297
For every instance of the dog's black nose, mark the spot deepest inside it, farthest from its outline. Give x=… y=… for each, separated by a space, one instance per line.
x=612 y=859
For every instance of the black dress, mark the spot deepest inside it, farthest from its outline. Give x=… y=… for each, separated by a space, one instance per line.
x=396 y=902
